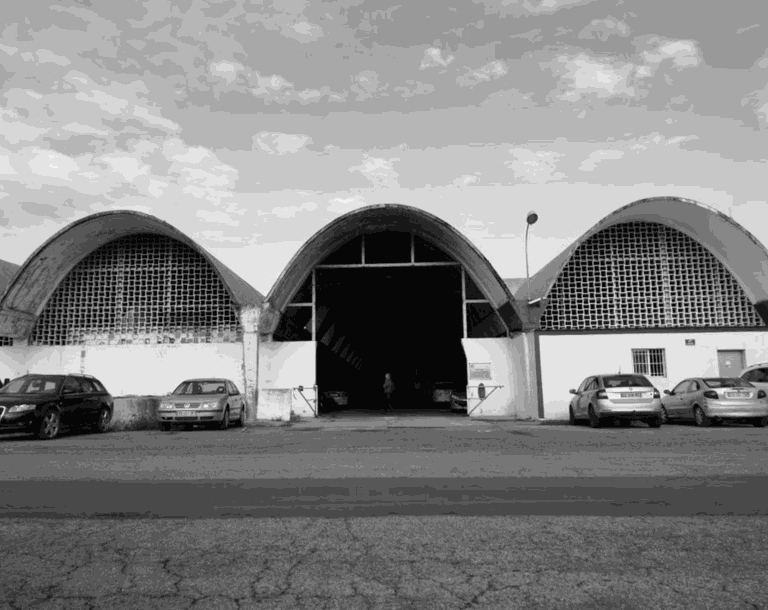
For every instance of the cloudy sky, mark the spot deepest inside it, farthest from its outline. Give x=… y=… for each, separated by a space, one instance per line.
x=250 y=124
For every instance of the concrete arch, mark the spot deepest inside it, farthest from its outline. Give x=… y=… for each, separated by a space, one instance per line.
x=732 y=245
x=391 y=217
x=36 y=280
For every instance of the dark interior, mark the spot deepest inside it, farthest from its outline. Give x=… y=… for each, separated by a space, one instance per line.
x=406 y=321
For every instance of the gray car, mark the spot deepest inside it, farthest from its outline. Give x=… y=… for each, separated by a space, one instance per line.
x=616 y=397
x=716 y=399
x=203 y=401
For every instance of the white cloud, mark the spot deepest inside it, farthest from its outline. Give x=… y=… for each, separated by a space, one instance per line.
x=489 y=71
x=218 y=236
x=51 y=164
x=291 y=211
x=85 y=129
x=582 y=75
x=342 y=205
x=16 y=131
x=595 y=157
x=218 y=216
x=604 y=28
x=683 y=53
x=227 y=70
x=5 y=165
x=143 y=113
x=129 y=168
x=276 y=143
x=307 y=32
x=379 y=171
x=464 y=181
x=106 y=102
x=416 y=88
x=366 y=85
x=434 y=57
x=45 y=56
x=9 y=50
x=535 y=166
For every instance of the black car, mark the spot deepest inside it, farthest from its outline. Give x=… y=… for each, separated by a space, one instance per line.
x=41 y=404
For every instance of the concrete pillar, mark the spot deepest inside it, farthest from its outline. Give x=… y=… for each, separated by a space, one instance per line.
x=249 y=320
x=531 y=377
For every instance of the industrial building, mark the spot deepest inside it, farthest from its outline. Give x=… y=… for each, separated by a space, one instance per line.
x=664 y=287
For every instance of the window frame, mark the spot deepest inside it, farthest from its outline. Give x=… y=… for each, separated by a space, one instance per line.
x=647 y=363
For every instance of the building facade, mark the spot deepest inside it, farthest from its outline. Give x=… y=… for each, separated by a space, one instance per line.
x=664 y=287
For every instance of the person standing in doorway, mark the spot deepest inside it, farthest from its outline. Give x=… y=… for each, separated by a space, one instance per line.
x=389 y=390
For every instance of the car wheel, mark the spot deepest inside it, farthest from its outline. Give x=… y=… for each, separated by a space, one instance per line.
x=102 y=425
x=701 y=419
x=664 y=416
x=50 y=425
x=224 y=423
x=241 y=419
x=760 y=422
x=594 y=420
x=165 y=427
x=654 y=422
x=571 y=417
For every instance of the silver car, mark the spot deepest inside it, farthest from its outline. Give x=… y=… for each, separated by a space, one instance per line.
x=214 y=402
x=708 y=400
x=616 y=397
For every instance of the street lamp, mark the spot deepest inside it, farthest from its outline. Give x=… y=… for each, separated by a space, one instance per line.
x=530 y=219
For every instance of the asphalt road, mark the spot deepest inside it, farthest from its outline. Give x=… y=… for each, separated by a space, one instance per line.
x=483 y=516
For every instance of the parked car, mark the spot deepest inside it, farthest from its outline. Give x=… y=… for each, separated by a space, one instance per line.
x=757 y=375
x=716 y=399
x=203 y=401
x=616 y=397
x=42 y=404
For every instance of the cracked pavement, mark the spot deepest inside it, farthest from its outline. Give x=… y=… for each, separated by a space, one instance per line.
x=399 y=561
x=391 y=562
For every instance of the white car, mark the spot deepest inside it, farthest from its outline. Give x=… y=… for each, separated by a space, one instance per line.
x=203 y=401
x=757 y=375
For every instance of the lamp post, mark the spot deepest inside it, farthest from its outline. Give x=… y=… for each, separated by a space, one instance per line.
x=530 y=219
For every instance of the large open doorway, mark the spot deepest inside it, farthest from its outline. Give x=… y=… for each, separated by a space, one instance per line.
x=390 y=302
x=406 y=321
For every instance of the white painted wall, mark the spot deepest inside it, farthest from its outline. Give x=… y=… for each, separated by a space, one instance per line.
x=287 y=365
x=143 y=370
x=508 y=369
x=567 y=359
x=12 y=361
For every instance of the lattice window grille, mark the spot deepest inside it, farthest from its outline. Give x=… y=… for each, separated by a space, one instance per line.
x=143 y=289
x=651 y=362
x=645 y=275
x=6 y=341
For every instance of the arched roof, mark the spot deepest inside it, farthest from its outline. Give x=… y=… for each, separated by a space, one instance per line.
x=391 y=217
x=736 y=248
x=33 y=284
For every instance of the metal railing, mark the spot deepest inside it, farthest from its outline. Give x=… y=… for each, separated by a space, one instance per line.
x=482 y=399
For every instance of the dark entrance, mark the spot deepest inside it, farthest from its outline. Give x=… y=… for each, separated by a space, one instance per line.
x=389 y=302
x=406 y=321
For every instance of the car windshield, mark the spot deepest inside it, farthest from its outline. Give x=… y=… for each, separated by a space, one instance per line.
x=32 y=385
x=727 y=382
x=200 y=386
x=626 y=381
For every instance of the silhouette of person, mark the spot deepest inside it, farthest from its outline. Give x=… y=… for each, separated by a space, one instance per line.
x=389 y=390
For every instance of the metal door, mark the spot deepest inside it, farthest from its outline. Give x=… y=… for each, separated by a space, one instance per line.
x=730 y=362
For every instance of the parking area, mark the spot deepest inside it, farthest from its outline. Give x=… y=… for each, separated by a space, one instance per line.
x=306 y=450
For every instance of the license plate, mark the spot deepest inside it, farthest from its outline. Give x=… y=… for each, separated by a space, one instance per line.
x=631 y=394
x=738 y=394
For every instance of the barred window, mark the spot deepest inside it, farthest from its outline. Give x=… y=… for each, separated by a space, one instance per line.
x=6 y=341
x=139 y=289
x=645 y=275
x=651 y=362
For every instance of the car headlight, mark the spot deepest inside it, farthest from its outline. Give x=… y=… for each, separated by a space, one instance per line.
x=165 y=406
x=208 y=405
x=21 y=408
